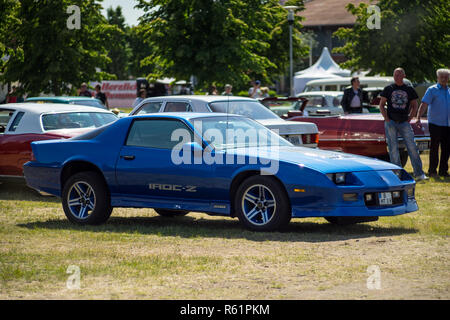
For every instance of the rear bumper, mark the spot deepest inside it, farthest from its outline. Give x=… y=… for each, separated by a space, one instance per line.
x=42 y=178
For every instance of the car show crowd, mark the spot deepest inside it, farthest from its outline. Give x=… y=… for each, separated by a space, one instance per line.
x=397 y=103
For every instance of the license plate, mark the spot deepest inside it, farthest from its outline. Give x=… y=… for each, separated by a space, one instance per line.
x=423 y=145
x=385 y=198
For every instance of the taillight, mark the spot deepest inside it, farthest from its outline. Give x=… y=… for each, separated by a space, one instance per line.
x=310 y=138
x=33 y=158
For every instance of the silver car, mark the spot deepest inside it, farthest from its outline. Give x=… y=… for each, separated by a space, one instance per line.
x=299 y=133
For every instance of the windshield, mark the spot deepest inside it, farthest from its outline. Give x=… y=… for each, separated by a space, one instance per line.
x=235 y=132
x=250 y=109
x=58 y=121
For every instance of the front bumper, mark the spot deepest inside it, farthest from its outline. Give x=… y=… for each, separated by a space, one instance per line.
x=352 y=211
x=350 y=200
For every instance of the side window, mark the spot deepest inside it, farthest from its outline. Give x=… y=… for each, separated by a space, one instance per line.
x=151 y=107
x=315 y=101
x=5 y=116
x=177 y=107
x=337 y=101
x=158 y=134
x=16 y=121
x=330 y=87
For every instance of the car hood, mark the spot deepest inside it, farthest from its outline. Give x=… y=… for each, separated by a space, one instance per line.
x=320 y=160
x=284 y=127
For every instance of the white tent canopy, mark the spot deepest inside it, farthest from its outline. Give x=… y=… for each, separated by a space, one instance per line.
x=325 y=67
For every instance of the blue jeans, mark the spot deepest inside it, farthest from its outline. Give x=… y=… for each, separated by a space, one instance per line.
x=393 y=129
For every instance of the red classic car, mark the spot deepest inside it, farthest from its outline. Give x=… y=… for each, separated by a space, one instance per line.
x=361 y=134
x=21 y=124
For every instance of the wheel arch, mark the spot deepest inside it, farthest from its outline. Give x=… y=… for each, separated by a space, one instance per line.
x=242 y=176
x=76 y=166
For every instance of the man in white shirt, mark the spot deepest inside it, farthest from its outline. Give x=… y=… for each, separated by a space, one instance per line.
x=255 y=91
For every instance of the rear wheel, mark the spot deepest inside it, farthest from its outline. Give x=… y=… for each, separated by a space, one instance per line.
x=85 y=199
x=171 y=213
x=261 y=204
x=345 y=221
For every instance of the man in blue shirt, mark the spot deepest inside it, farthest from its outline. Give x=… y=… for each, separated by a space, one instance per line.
x=437 y=99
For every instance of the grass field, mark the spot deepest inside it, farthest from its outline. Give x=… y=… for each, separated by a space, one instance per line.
x=139 y=255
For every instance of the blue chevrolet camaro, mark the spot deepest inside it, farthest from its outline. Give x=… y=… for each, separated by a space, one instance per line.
x=214 y=163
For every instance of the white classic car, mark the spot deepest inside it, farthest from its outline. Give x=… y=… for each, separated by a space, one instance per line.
x=23 y=123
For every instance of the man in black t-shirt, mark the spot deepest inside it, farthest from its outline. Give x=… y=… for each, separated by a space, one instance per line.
x=401 y=108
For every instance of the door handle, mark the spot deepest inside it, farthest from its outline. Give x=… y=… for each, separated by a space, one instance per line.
x=128 y=157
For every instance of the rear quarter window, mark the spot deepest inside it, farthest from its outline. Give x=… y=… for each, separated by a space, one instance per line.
x=5 y=117
x=16 y=121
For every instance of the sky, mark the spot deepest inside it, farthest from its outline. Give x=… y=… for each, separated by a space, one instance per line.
x=131 y=15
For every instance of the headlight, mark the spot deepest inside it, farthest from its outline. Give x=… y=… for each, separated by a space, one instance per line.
x=398 y=173
x=337 y=178
x=402 y=174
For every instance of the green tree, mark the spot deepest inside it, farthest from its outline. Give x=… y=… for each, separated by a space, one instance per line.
x=140 y=49
x=414 y=34
x=119 y=52
x=220 y=41
x=48 y=56
x=7 y=18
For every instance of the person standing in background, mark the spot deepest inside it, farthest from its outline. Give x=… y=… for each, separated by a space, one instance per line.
x=12 y=95
x=101 y=96
x=142 y=96
x=212 y=91
x=265 y=92
x=227 y=92
x=255 y=91
x=84 y=92
x=437 y=99
x=353 y=97
x=401 y=108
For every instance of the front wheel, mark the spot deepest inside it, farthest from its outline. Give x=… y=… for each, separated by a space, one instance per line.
x=261 y=204
x=85 y=199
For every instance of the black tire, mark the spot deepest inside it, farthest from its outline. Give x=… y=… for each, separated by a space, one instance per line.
x=171 y=213
x=99 y=195
x=345 y=221
x=281 y=213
